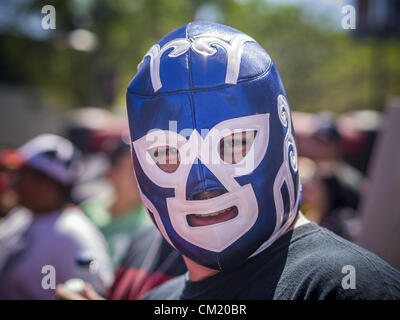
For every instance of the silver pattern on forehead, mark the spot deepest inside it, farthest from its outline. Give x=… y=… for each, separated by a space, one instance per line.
x=204 y=45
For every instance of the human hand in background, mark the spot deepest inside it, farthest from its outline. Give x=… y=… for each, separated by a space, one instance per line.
x=64 y=292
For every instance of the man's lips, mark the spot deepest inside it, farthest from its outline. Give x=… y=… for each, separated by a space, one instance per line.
x=199 y=220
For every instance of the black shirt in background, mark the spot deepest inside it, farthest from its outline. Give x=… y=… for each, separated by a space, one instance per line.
x=305 y=263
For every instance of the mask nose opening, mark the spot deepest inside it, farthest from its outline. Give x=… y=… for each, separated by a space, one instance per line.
x=202 y=183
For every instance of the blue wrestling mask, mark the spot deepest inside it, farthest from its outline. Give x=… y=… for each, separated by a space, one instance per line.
x=214 y=147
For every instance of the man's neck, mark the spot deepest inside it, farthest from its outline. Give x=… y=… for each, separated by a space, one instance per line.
x=198 y=272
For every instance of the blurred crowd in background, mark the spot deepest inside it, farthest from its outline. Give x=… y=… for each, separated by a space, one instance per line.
x=337 y=83
x=334 y=155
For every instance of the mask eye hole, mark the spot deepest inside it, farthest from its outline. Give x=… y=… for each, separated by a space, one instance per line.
x=166 y=158
x=233 y=148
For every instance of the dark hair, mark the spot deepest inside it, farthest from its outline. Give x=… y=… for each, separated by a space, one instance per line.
x=64 y=190
x=117 y=151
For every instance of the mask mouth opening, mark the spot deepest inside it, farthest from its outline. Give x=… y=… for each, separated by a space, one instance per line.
x=206 y=219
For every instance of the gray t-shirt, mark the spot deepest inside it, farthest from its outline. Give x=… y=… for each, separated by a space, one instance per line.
x=308 y=262
x=52 y=239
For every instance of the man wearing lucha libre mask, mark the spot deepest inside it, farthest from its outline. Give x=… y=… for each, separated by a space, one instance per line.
x=215 y=159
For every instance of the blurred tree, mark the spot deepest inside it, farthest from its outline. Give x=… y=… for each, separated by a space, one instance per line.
x=322 y=68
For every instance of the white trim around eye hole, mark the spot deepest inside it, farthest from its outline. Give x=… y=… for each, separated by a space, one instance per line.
x=259 y=123
x=159 y=138
x=236 y=131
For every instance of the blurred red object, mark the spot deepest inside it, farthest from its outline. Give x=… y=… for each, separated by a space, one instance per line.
x=11 y=159
x=3 y=182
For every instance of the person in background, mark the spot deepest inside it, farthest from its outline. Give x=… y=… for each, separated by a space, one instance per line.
x=14 y=220
x=327 y=201
x=7 y=196
x=59 y=231
x=144 y=259
x=149 y=262
x=333 y=192
x=122 y=215
x=327 y=149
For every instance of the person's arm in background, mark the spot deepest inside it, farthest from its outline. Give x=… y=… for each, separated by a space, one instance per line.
x=81 y=236
x=88 y=293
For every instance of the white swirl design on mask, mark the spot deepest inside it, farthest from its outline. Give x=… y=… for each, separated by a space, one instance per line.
x=285 y=117
x=180 y=46
x=205 y=46
x=234 y=49
x=284 y=175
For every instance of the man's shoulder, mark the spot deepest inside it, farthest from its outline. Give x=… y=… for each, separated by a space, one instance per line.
x=331 y=250
x=323 y=265
x=170 y=290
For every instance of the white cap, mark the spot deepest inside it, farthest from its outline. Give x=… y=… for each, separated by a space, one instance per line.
x=52 y=155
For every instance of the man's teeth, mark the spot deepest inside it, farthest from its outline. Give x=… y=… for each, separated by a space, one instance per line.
x=212 y=214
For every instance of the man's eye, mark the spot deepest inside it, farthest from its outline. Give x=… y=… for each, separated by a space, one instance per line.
x=233 y=148
x=166 y=158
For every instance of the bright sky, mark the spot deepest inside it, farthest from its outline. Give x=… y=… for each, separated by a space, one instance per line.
x=317 y=8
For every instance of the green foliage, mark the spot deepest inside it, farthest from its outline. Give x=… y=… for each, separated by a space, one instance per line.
x=321 y=69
